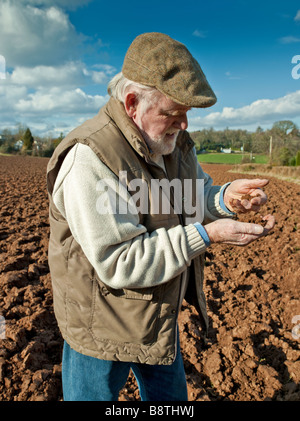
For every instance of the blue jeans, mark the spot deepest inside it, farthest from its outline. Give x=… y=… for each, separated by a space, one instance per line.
x=87 y=378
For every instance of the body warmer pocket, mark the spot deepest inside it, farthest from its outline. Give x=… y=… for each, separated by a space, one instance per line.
x=124 y=315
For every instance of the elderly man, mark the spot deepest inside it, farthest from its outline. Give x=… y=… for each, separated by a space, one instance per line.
x=119 y=276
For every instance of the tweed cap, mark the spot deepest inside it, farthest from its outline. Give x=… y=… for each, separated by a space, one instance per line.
x=155 y=59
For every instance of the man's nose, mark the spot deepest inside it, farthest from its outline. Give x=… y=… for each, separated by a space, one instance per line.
x=182 y=123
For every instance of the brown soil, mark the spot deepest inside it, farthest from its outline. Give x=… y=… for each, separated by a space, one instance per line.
x=252 y=296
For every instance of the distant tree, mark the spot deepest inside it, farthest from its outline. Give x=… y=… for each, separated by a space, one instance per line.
x=286 y=141
x=20 y=130
x=284 y=156
x=285 y=126
x=283 y=140
x=298 y=158
x=260 y=141
x=7 y=142
x=58 y=139
x=27 y=141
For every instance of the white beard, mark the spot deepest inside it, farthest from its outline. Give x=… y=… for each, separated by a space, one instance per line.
x=160 y=145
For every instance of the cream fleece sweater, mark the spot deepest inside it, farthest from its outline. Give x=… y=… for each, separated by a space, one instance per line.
x=121 y=250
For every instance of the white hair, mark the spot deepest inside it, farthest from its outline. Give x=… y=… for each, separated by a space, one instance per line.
x=120 y=85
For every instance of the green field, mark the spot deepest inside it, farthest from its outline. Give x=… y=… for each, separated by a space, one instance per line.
x=232 y=158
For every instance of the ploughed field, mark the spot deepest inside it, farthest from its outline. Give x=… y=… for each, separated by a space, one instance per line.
x=252 y=352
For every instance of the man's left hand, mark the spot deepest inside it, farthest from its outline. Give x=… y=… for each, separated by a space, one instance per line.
x=245 y=195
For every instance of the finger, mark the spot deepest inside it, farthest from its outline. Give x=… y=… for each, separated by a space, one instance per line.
x=259 y=196
x=270 y=223
x=252 y=186
x=257 y=182
x=255 y=208
x=261 y=181
x=256 y=229
x=246 y=204
x=250 y=232
x=252 y=229
x=256 y=201
x=237 y=206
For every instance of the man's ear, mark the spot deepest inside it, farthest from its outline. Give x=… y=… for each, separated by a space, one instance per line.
x=130 y=104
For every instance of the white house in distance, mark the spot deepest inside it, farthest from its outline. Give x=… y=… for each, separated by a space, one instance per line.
x=18 y=145
x=228 y=150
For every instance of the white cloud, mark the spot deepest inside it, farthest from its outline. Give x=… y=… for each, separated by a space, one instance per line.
x=48 y=91
x=2 y=67
x=231 y=76
x=71 y=74
x=68 y=74
x=9 y=96
x=50 y=98
x=258 y=113
x=56 y=100
x=66 y=4
x=289 y=40
x=33 y=36
x=199 y=34
x=297 y=17
x=46 y=78
x=108 y=69
x=56 y=109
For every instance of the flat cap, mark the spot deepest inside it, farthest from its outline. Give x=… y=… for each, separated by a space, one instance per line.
x=157 y=60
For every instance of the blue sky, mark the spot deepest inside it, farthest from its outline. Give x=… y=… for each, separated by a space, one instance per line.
x=60 y=55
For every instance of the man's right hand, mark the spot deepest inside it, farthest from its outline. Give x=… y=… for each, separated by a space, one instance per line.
x=228 y=231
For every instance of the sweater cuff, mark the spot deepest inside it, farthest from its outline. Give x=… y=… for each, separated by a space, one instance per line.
x=216 y=204
x=222 y=204
x=203 y=233
x=195 y=242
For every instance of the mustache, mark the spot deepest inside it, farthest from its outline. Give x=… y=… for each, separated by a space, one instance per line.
x=171 y=132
